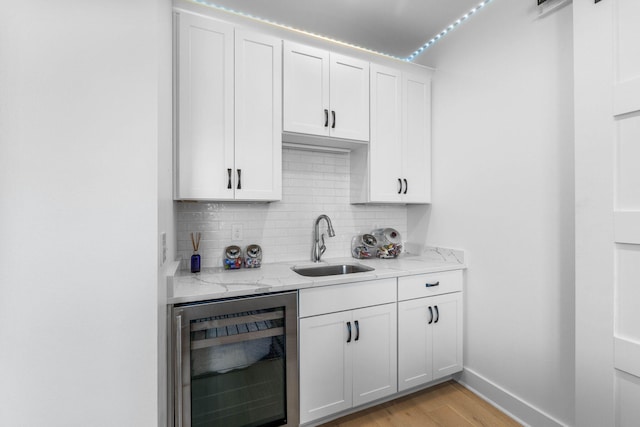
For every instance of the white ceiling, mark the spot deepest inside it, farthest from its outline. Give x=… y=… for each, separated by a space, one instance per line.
x=394 y=27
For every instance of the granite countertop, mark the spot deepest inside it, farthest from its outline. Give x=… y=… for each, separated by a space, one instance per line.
x=215 y=283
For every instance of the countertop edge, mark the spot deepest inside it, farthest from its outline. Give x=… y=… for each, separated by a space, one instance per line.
x=278 y=277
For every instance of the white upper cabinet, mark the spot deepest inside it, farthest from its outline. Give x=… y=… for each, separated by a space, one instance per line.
x=258 y=116
x=416 y=138
x=385 y=146
x=349 y=98
x=204 y=143
x=396 y=168
x=228 y=112
x=325 y=94
x=306 y=89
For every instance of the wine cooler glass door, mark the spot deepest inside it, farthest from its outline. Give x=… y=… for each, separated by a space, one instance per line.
x=239 y=362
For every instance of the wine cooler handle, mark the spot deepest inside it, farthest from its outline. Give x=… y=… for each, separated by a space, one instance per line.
x=178 y=368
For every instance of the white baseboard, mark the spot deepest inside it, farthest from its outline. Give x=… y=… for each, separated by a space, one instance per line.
x=507 y=402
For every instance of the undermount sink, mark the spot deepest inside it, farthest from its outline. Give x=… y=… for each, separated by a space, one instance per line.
x=331 y=270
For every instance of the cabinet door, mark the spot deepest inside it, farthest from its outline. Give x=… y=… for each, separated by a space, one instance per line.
x=374 y=350
x=306 y=90
x=325 y=365
x=447 y=335
x=349 y=98
x=204 y=143
x=258 y=117
x=385 y=146
x=417 y=138
x=415 y=342
x=429 y=339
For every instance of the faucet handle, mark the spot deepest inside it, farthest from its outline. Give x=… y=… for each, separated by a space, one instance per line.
x=323 y=247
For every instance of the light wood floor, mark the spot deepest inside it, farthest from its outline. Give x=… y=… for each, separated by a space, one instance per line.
x=446 y=405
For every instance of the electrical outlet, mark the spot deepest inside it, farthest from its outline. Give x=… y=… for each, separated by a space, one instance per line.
x=236 y=232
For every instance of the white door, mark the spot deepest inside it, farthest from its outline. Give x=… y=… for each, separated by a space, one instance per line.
x=374 y=351
x=447 y=334
x=306 y=90
x=385 y=147
x=607 y=152
x=204 y=146
x=415 y=342
x=349 y=98
x=416 y=136
x=258 y=117
x=325 y=365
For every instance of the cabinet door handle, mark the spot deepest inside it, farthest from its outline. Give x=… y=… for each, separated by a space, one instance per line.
x=326 y=117
x=333 y=116
x=431 y=285
x=406 y=186
x=357 y=330
x=349 y=330
x=239 y=181
x=430 y=315
x=178 y=371
x=229 y=179
x=437 y=315
x=400 y=186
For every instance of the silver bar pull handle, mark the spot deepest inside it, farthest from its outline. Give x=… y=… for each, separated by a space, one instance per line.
x=178 y=375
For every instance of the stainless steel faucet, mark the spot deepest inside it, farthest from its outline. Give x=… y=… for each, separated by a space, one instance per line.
x=319 y=248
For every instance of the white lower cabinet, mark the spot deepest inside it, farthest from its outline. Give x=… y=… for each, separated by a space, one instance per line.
x=325 y=366
x=429 y=339
x=347 y=358
x=429 y=332
x=365 y=341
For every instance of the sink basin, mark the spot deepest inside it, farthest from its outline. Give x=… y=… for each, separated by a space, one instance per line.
x=331 y=270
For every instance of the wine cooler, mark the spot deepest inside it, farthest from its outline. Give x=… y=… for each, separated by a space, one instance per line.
x=235 y=362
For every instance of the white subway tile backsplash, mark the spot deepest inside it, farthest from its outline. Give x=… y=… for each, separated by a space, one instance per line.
x=313 y=183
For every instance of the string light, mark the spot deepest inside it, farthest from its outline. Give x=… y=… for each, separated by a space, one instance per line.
x=290 y=28
x=409 y=58
x=444 y=32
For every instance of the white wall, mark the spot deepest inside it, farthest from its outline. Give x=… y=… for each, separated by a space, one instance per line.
x=79 y=213
x=503 y=191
